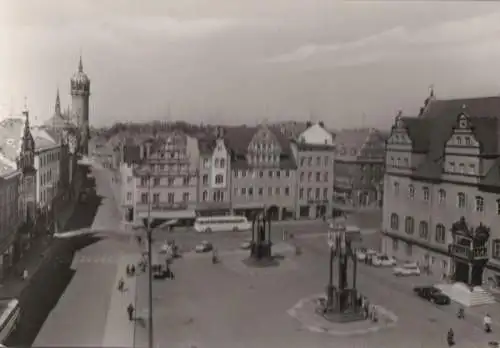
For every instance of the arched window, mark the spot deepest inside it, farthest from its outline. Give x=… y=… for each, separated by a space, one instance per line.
x=216 y=164
x=409 y=225
x=219 y=179
x=205 y=196
x=426 y=193
x=461 y=200
x=423 y=230
x=459 y=140
x=394 y=222
x=442 y=196
x=222 y=163
x=411 y=191
x=440 y=233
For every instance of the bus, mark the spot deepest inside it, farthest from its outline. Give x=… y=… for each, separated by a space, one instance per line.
x=9 y=318
x=222 y=223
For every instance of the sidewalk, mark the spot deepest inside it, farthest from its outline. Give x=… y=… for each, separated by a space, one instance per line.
x=119 y=331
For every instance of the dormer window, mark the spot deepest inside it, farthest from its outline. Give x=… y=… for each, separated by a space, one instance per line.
x=468 y=141
x=461 y=168
x=459 y=140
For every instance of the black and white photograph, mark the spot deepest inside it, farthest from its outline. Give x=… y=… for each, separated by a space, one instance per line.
x=250 y=174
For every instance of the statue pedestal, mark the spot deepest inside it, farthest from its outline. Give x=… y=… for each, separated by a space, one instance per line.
x=340 y=306
x=261 y=255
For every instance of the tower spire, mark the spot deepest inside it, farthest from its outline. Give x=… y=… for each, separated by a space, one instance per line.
x=58 y=103
x=26 y=116
x=80 y=64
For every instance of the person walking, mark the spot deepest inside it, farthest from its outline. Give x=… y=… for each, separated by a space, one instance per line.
x=130 y=312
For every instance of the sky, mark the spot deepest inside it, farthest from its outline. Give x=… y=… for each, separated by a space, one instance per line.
x=347 y=63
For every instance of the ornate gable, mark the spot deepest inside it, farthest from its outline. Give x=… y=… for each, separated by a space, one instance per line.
x=463 y=133
x=399 y=132
x=264 y=148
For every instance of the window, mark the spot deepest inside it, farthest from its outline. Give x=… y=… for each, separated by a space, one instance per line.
x=409 y=225
x=411 y=191
x=156 y=198
x=287 y=191
x=171 y=181
x=156 y=182
x=171 y=198
x=326 y=161
x=270 y=173
x=129 y=196
x=269 y=191
x=423 y=230
x=144 y=198
x=205 y=196
x=467 y=141
x=205 y=179
x=309 y=161
x=459 y=140
x=301 y=194
x=406 y=162
x=325 y=194
x=461 y=200
x=287 y=173
x=144 y=181
x=396 y=188
x=309 y=193
x=216 y=164
x=222 y=163
x=302 y=160
x=479 y=204
x=498 y=206
x=261 y=174
x=440 y=234
x=318 y=177
x=461 y=168
x=301 y=177
x=260 y=191
x=218 y=196
x=426 y=194
x=442 y=196
x=185 y=181
x=394 y=222
x=472 y=168
x=250 y=191
x=395 y=245
x=318 y=161
x=495 y=246
x=185 y=197
x=219 y=179
x=278 y=174
x=325 y=176
x=451 y=166
x=277 y=191
x=243 y=191
x=317 y=195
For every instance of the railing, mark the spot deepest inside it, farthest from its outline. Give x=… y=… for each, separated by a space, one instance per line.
x=466 y=252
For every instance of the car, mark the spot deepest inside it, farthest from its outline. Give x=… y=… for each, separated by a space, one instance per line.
x=407 y=269
x=363 y=253
x=432 y=294
x=204 y=247
x=246 y=245
x=383 y=260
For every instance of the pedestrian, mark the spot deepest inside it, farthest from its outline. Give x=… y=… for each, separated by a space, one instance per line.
x=132 y=270
x=130 y=312
x=25 y=274
x=127 y=270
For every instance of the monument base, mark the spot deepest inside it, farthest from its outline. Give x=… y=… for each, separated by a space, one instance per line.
x=261 y=250
x=262 y=262
x=333 y=314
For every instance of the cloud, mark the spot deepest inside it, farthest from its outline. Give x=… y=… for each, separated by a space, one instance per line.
x=399 y=39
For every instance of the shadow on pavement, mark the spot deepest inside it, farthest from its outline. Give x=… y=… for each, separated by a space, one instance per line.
x=47 y=285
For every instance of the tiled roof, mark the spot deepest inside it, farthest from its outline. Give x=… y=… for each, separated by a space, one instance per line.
x=42 y=138
x=6 y=166
x=11 y=132
x=430 y=131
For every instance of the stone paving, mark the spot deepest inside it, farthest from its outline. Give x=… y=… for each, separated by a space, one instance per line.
x=304 y=312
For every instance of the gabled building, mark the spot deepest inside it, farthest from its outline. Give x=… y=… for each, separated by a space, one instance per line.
x=263 y=171
x=359 y=168
x=442 y=188
x=314 y=152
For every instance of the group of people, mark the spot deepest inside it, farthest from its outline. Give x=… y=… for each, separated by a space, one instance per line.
x=369 y=310
x=487 y=322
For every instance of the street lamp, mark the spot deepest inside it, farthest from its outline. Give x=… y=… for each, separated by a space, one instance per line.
x=149 y=233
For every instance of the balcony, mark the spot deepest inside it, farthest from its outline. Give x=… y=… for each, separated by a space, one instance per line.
x=465 y=252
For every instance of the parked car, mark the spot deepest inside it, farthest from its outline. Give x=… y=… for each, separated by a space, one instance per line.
x=363 y=253
x=383 y=261
x=432 y=294
x=407 y=269
x=204 y=247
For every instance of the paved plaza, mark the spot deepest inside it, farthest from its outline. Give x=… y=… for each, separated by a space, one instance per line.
x=231 y=305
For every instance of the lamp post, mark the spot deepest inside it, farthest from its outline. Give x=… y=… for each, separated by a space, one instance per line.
x=149 y=233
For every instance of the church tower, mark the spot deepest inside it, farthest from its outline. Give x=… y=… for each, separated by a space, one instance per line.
x=80 y=93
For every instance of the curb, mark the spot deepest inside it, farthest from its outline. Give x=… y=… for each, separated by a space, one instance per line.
x=293 y=312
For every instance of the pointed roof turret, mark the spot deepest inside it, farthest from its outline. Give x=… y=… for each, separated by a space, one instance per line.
x=80 y=64
x=57 y=107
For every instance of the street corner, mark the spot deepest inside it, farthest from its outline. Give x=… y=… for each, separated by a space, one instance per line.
x=304 y=311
